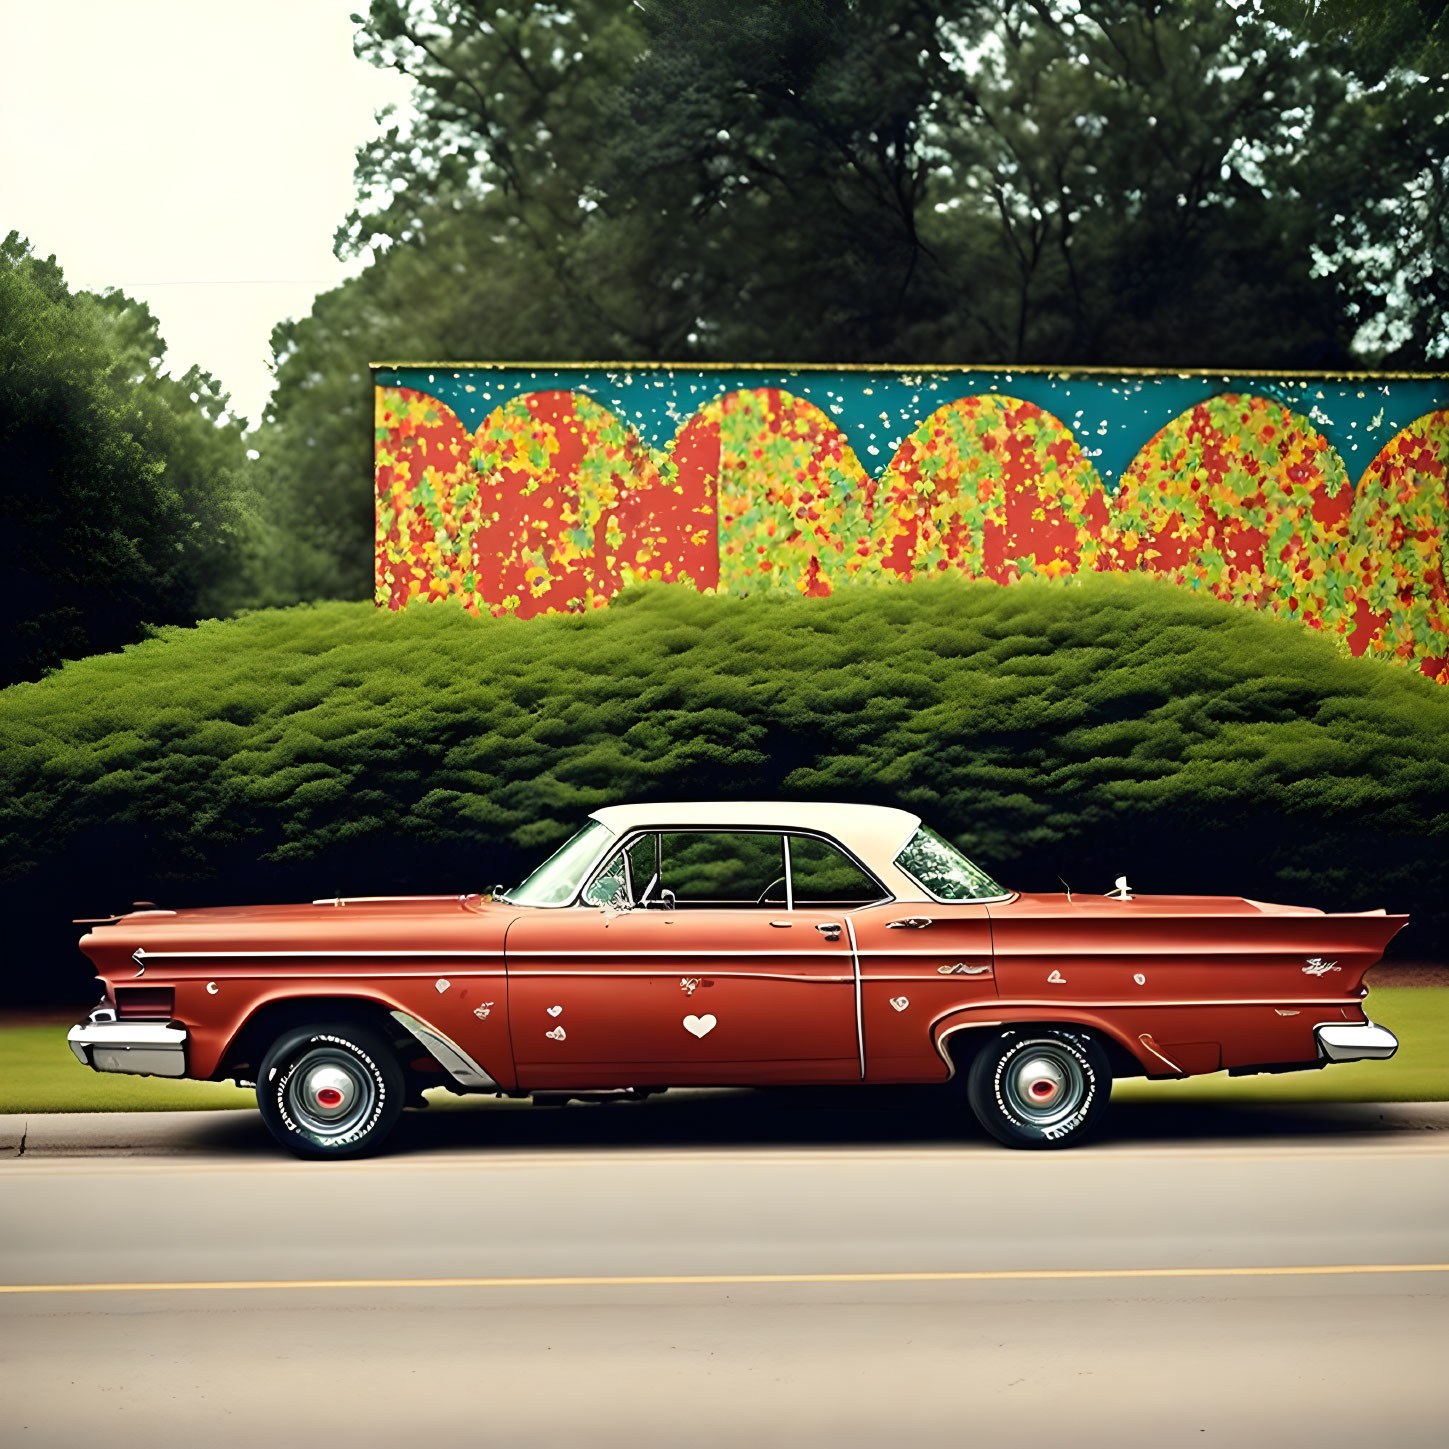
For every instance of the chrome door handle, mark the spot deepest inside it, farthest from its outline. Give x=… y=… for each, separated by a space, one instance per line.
x=913 y=923
x=782 y=923
x=829 y=930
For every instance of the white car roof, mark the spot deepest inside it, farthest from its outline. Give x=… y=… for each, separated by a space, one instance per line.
x=874 y=833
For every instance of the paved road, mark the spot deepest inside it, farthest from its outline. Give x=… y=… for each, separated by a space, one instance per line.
x=1082 y=1340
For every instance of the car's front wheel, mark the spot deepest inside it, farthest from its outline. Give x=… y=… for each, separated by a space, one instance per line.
x=334 y=1090
x=1040 y=1086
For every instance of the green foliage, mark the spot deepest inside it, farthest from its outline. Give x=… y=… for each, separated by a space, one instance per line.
x=122 y=487
x=1079 y=729
x=935 y=180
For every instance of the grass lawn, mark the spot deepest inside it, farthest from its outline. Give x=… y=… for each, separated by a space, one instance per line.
x=38 y=1073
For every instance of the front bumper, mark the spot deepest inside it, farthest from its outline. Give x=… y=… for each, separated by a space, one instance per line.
x=142 y=1048
x=1355 y=1041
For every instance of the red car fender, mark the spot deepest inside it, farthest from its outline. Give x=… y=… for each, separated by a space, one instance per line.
x=214 y=1044
x=989 y=1014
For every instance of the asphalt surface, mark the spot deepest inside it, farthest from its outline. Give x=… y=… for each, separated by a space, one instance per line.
x=791 y=1269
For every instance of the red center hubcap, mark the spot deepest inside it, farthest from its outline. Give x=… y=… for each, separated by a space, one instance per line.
x=329 y=1097
x=1041 y=1089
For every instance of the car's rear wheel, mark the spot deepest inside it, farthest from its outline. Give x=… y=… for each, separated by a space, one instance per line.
x=1040 y=1086
x=333 y=1090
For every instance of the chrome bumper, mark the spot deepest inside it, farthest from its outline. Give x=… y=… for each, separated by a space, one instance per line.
x=1355 y=1041
x=143 y=1048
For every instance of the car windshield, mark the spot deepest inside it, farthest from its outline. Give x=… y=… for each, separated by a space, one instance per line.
x=557 y=879
x=943 y=870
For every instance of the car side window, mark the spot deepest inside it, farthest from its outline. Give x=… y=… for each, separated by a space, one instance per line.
x=723 y=867
x=626 y=875
x=643 y=865
x=609 y=884
x=823 y=876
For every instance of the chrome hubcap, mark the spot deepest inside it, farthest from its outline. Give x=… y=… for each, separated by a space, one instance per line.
x=1045 y=1085
x=1040 y=1081
x=330 y=1093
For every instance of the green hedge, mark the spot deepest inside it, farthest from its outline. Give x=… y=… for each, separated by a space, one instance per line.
x=1079 y=729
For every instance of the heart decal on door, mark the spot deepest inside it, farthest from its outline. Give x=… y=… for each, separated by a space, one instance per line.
x=557 y=1034
x=699 y=1025
x=554 y=1010
x=900 y=1002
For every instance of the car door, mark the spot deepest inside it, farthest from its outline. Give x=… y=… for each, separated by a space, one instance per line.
x=918 y=963
x=684 y=963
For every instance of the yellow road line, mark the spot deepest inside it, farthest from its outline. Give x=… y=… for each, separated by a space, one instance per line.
x=1296 y=1270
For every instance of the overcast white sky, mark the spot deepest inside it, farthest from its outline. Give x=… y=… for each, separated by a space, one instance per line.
x=195 y=153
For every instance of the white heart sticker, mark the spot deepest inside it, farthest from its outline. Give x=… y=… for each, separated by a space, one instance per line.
x=1139 y=978
x=699 y=1025
x=442 y=983
x=900 y=1002
x=481 y=1012
x=1057 y=979
x=554 y=1010
x=557 y=1034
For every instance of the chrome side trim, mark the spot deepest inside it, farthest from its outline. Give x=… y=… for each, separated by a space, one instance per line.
x=995 y=1002
x=604 y=951
x=1145 y=1037
x=448 y=1054
x=140 y=1048
x=1353 y=1041
x=249 y=955
x=859 y=1014
x=604 y=971
x=951 y=1031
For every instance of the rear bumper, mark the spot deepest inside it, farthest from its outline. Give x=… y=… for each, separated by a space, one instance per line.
x=1355 y=1042
x=142 y=1048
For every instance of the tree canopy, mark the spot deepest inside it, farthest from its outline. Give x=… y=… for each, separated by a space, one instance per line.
x=122 y=488
x=1105 y=181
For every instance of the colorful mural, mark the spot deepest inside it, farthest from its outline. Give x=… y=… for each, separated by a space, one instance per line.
x=1242 y=497
x=1398 y=551
x=551 y=504
x=513 y=496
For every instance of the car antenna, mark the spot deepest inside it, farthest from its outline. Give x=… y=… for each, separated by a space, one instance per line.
x=1068 y=890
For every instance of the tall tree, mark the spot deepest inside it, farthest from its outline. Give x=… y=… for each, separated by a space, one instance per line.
x=121 y=488
x=1010 y=180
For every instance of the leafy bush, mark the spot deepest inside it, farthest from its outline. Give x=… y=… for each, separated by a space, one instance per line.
x=1079 y=729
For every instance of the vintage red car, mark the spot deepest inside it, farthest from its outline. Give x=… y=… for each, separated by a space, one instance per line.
x=729 y=944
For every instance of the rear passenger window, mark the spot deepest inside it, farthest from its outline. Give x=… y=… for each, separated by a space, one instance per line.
x=723 y=868
x=822 y=875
